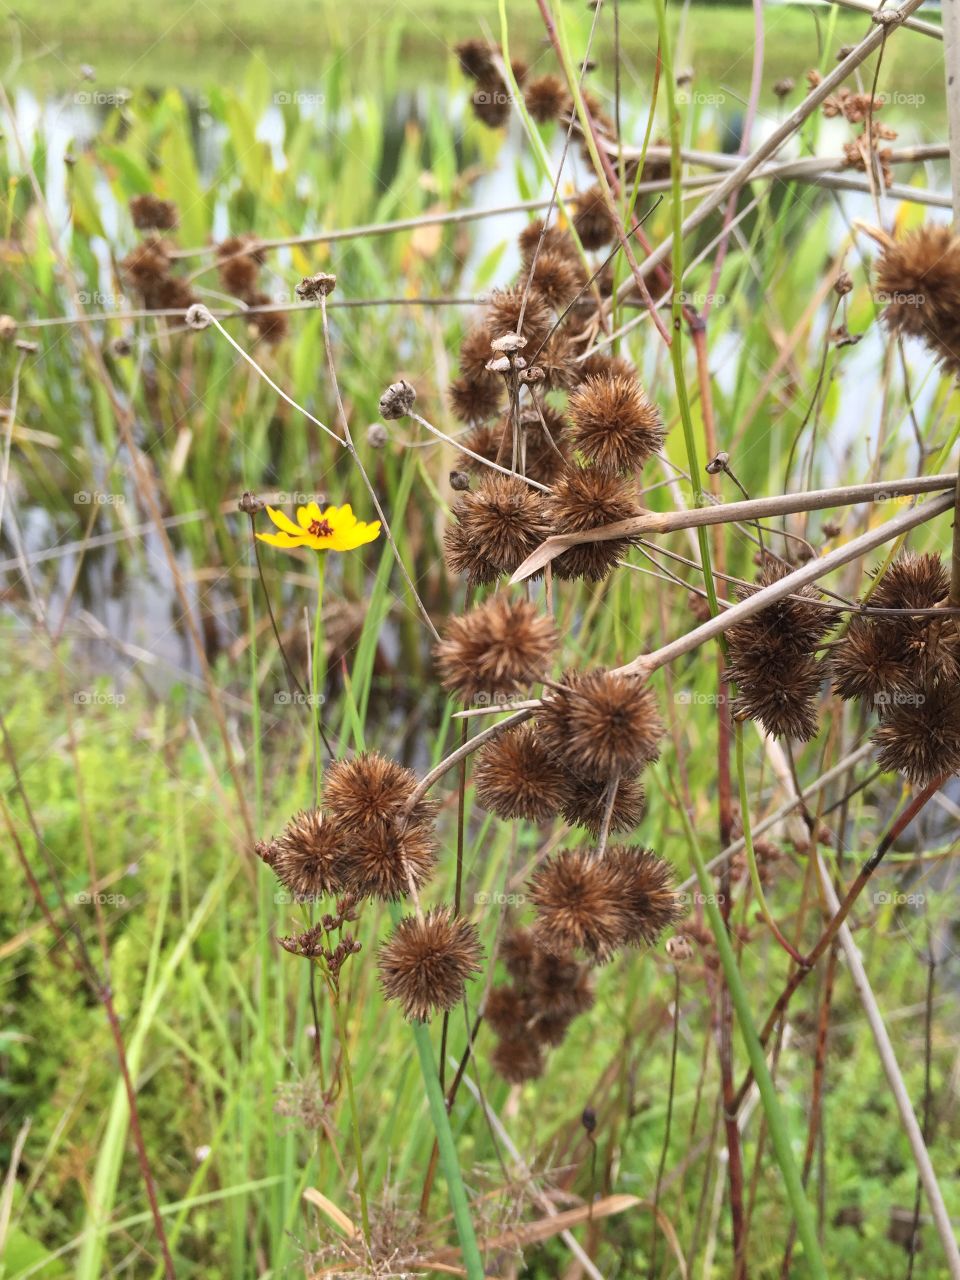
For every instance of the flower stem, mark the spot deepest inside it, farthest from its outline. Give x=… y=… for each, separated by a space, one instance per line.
x=317 y=675
x=779 y=1134
x=354 y=1114
x=459 y=1205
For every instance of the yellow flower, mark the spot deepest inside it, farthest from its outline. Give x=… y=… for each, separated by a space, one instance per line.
x=334 y=529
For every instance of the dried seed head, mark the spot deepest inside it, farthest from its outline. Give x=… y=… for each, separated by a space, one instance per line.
x=556 y=277
x=377 y=435
x=238 y=265
x=560 y=985
x=198 y=318
x=495 y=528
x=778 y=687
x=919 y=279
x=503 y=314
x=577 y=898
x=557 y=359
x=679 y=949
x=593 y=222
x=269 y=326
x=601 y=365
x=370 y=790
x=599 y=724
x=507 y=1012
x=516 y=778
x=585 y=803
x=553 y=240
x=647 y=885
x=880 y=654
x=475 y=351
x=546 y=98
x=8 y=328
x=475 y=58
x=475 y=401
x=308 y=855
x=518 y=1060
x=151 y=213
x=518 y=952
x=427 y=962
x=250 y=504
x=582 y=499
x=550 y=1029
x=382 y=860
x=919 y=734
x=146 y=266
x=500 y=647
x=397 y=400
x=615 y=426
x=508 y=343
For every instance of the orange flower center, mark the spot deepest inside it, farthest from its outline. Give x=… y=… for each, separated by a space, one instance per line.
x=320 y=529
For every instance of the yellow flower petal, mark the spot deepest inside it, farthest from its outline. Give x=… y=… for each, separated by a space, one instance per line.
x=283 y=521
x=283 y=539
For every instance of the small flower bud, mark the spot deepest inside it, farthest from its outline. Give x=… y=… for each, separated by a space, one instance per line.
x=377 y=435
x=120 y=347
x=783 y=87
x=8 y=327
x=843 y=284
x=397 y=400
x=250 y=504
x=717 y=464
x=679 y=949
x=589 y=1119
x=459 y=481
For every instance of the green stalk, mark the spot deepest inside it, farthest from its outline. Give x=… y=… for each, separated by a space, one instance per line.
x=316 y=675
x=354 y=1113
x=459 y=1205
x=676 y=346
x=779 y=1134
x=748 y=834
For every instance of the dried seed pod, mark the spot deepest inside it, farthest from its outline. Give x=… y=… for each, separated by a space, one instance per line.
x=516 y=778
x=270 y=326
x=149 y=212
x=560 y=986
x=503 y=314
x=554 y=240
x=397 y=400
x=427 y=962
x=779 y=688
x=919 y=279
x=518 y=951
x=881 y=654
x=585 y=803
x=238 y=265
x=583 y=499
x=473 y=402
x=475 y=351
x=556 y=277
x=577 y=898
x=507 y=1011
x=647 y=883
x=475 y=58
x=599 y=364
x=593 y=221
x=615 y=426
x=308 y=855
x=518 y=1060
x=599 y=724
x=919 y=734
x=546 y=98
x=370 y=790
x=495 y=528
x=382 y=860
x=500 y=647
